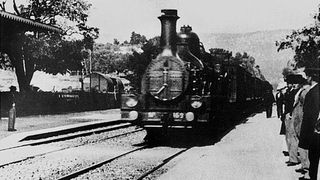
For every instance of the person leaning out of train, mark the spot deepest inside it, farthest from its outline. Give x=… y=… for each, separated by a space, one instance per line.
x=290 y=134
x=297 y=113
x=310 y=126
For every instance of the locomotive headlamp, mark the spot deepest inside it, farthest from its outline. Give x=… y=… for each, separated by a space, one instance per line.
x=133 y=115
x=196 y=102
x=131 y=102
x=189 y=116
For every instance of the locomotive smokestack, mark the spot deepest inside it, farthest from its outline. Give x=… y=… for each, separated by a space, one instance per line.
x=168 y=29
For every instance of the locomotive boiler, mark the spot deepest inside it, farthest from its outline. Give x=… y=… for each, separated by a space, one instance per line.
x=183 y=88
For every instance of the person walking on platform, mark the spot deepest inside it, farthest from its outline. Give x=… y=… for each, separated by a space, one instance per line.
x=269 y=100
x=291 y=138
x=12 y=109
x=282 y=115
x=279 y=102
x=310 y=126
x=297 y=114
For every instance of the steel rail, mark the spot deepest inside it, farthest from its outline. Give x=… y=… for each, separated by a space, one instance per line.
x=218 y=138
x=66 y=137
x=165 y=161
x=57 y=150
x=97 y=165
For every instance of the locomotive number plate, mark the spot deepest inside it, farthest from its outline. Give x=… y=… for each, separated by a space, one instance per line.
x=157 y=115
x=177 y=115
x=152 y=115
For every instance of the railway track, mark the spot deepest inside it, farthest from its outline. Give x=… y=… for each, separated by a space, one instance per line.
x=68 y=136
x=141 y=166
x=104 y=162
x=97 y=165
x=165 y=161
x=145 y=174
x=61 y=149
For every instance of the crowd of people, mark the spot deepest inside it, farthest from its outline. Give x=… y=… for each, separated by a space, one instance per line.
x=298 y=109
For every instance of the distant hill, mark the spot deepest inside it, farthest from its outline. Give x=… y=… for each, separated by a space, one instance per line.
x=260 y=45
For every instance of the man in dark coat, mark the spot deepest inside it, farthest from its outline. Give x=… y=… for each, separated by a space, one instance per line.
x=12 y=109
x=309 y=139
x=269 y=100
x=282 y=115
x=279 y=102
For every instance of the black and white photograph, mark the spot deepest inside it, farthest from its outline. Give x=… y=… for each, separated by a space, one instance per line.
x=159 y=89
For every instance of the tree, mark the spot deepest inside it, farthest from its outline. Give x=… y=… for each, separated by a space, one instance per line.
x=137 y=39
x=125 y=42
x=49 y=51
x=116 y=41
x=107 y=58
x=140 y=61
x=305 y=42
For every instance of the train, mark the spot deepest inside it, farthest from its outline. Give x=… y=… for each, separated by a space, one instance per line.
x=185 y=88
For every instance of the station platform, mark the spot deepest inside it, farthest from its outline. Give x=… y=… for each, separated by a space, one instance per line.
x=41 y=124
x=251 y=151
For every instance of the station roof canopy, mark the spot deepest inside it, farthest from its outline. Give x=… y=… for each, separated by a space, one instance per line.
x=13 y=23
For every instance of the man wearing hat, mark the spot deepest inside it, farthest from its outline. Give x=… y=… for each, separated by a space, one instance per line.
x=296 y=115
x=290 y=135
x=309 y=136
x=12 y=109
x=268 y=100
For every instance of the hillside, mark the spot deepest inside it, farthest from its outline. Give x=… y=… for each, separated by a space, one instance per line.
x=260 y=45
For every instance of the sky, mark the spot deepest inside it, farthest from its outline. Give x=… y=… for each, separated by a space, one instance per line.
x=118 y=18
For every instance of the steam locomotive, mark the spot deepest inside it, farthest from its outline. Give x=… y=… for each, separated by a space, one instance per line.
x=183 y=88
